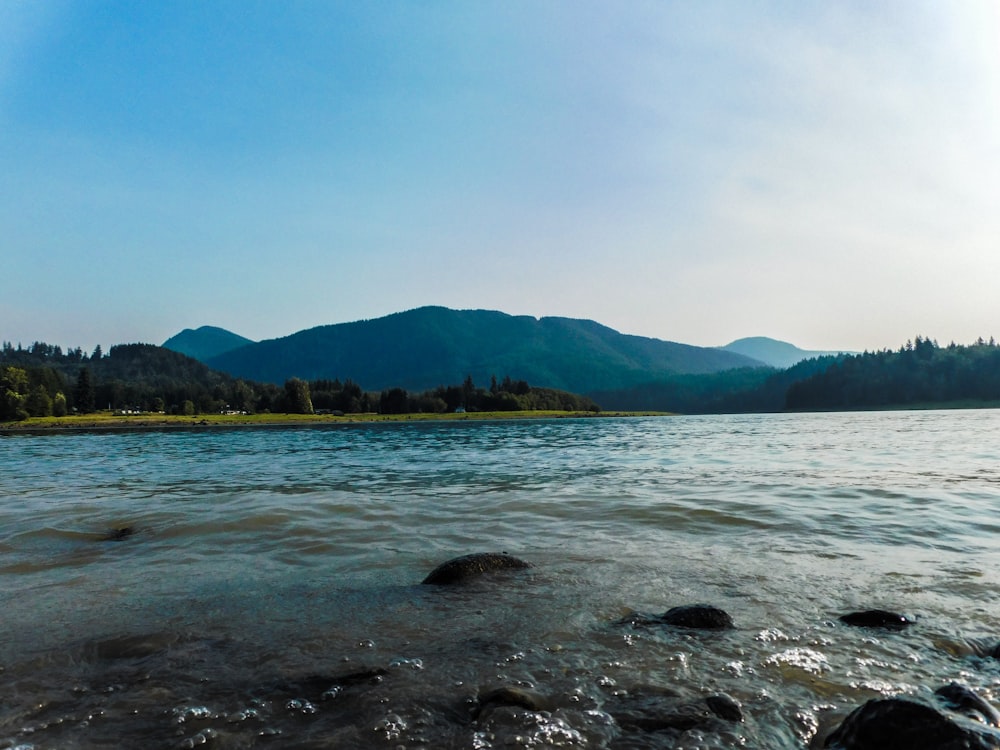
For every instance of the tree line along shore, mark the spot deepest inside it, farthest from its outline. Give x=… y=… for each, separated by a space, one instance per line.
x=44 y=382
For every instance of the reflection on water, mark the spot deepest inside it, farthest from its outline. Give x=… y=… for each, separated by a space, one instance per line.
x=270 y=594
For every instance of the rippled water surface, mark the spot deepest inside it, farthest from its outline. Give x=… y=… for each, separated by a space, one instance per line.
x=270 y=594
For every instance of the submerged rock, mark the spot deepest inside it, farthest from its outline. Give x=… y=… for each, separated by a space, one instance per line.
x=511 y=696
x=118 y=534
x=324 y=687
x=698 y=617
x=877 y=618
x=134 y=646
x=898 y=723
x=689 y=616
x=652 y=709
x=963 y=700
x=470 y=566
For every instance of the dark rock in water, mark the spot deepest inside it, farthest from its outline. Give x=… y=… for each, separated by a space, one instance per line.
x=725 y=707
x=690 y=616
x=134 y=646
x=511 y=696
x=963 y=700
x=681 y=721
x=661 y=709
x=698 y=617
x=357 y=678
x=995 y=653
x=877 y=618
x=323 y=687
x=469 y=566
x=899 y=724
x=118 y=534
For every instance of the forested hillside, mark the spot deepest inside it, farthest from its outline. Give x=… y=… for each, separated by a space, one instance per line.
x=757 y=389
x=921 y=372
x=43 y=380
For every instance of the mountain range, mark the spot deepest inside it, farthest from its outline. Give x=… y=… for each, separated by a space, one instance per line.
x=429 y=346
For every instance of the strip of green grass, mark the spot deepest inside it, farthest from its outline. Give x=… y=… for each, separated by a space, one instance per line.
x=109 y=420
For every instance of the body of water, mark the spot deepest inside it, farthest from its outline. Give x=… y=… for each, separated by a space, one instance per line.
x=268 y=590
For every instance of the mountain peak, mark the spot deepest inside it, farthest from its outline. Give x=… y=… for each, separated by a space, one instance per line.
x=205 y=342
x=773 y=352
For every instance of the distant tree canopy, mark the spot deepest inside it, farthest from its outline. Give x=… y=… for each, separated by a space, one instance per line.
x=42 y=380
x=920 y=372
x=510 y=395
x=743 y=390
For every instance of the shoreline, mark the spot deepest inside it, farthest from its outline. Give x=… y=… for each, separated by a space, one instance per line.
x=105 y=421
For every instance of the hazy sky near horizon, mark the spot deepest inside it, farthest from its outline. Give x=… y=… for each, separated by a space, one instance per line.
x=823 y=173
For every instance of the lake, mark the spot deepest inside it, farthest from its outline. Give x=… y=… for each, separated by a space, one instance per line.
x=270 y=595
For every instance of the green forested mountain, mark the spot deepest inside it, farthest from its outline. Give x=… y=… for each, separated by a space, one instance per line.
x=774 y=353
x=921 y=372
x=423 y=348
x=205 y=342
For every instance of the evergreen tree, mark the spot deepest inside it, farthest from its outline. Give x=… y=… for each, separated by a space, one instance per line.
x=84 y=395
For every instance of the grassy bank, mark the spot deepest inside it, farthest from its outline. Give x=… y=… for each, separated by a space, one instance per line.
x=109 y=420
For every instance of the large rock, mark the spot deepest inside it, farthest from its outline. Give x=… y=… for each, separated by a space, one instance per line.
x=470 y=566
x=698 y=617
x=901 y=724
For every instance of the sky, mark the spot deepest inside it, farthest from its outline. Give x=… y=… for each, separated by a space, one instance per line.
x=826 y=174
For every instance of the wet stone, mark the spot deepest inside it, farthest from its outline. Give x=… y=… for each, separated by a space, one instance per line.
x=877 y=618
x=690 y=617
x=511 y=696
x=698 y=617
x=725 y=707
x=889 y=723
x=466 y=567
x=655 y=709
x=963 y=700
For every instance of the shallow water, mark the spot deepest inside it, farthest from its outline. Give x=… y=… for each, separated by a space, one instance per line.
x=270 y=595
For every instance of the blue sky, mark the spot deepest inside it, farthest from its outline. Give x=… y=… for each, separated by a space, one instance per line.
x=823 y=173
